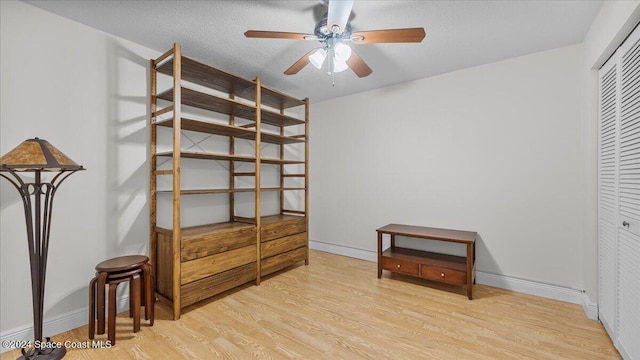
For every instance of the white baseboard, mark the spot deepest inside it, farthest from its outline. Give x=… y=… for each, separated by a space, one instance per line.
x=549 y=291
x=530 y=287
x=52 y=327
x=590 y=308
x=344 y=250
x=622 y=350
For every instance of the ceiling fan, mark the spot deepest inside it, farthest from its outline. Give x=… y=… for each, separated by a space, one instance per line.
x=333 y=32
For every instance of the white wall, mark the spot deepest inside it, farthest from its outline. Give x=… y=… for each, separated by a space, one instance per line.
x=86 y=93
x=614 y=22
x=494 y=149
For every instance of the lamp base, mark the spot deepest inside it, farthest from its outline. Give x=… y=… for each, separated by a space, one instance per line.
x=46 y=354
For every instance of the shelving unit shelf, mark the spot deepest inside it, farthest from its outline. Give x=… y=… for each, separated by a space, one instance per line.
x=193 y=263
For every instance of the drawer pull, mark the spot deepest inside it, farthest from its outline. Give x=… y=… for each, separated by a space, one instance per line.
x=442 y=275
x=398 y=266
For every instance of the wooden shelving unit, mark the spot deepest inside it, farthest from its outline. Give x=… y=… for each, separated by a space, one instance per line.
x=196 y=262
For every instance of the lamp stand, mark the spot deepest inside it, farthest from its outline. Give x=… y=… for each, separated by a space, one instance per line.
x=38 y=220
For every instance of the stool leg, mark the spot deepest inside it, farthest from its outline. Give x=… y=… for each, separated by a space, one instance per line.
x=152 y=300
x=143 y=290
x=92 y=307
x=134 y=301
x=102 y=281
x=148 y=293
x=112 y=313
x=131 y=310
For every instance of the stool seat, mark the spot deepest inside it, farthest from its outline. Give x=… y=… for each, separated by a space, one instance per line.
x=134 y=269
x=122 y=263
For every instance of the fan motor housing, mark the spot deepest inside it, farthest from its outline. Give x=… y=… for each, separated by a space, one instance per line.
x=323 y=32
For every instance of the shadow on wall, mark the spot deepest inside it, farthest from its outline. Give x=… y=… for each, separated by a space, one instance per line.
x=9 y=195
x=484 y=260
x=62 y=307
x=127 y=139
x=126 y=168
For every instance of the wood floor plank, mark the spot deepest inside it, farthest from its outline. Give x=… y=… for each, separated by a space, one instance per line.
x=337 y=308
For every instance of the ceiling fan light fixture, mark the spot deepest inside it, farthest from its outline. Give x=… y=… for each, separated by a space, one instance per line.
x=343 y=52
x=317 y=58
x=339 y=66
x=332 y=32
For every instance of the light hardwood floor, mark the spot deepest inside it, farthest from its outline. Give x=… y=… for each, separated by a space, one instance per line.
x=337 y=308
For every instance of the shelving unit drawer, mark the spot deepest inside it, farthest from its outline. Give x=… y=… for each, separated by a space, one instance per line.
x=281 y=261
x=200 y=268
x=215 y=284
x=278 y=246
x=280 y=226
x=216 y=242
x=400 y=266
x=443 y=274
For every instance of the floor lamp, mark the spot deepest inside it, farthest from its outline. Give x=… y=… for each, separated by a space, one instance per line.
x=38 y=156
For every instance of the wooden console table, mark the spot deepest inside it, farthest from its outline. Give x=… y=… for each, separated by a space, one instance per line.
x=429 y=265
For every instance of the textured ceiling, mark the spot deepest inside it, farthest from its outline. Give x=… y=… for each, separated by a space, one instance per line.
x=460 y=34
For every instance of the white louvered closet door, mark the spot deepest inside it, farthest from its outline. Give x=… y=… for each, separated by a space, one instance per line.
x=629 y=199
x=619 y=197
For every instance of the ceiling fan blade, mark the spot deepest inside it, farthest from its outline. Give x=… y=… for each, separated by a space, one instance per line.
x=358 y=65
x=338 y=14
x=298 y=65
x=278 y=35
x=388 y=36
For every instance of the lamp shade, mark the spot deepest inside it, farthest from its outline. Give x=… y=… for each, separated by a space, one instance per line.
x=37 y=155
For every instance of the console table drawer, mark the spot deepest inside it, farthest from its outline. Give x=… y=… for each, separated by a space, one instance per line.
x=443 y=274
x=405 y=267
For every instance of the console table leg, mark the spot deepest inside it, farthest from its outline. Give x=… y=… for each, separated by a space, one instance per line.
x=470 y=274
x=379 y=255
x=474 y=262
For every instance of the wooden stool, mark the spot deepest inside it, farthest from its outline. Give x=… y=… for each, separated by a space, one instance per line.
x=133 y=269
